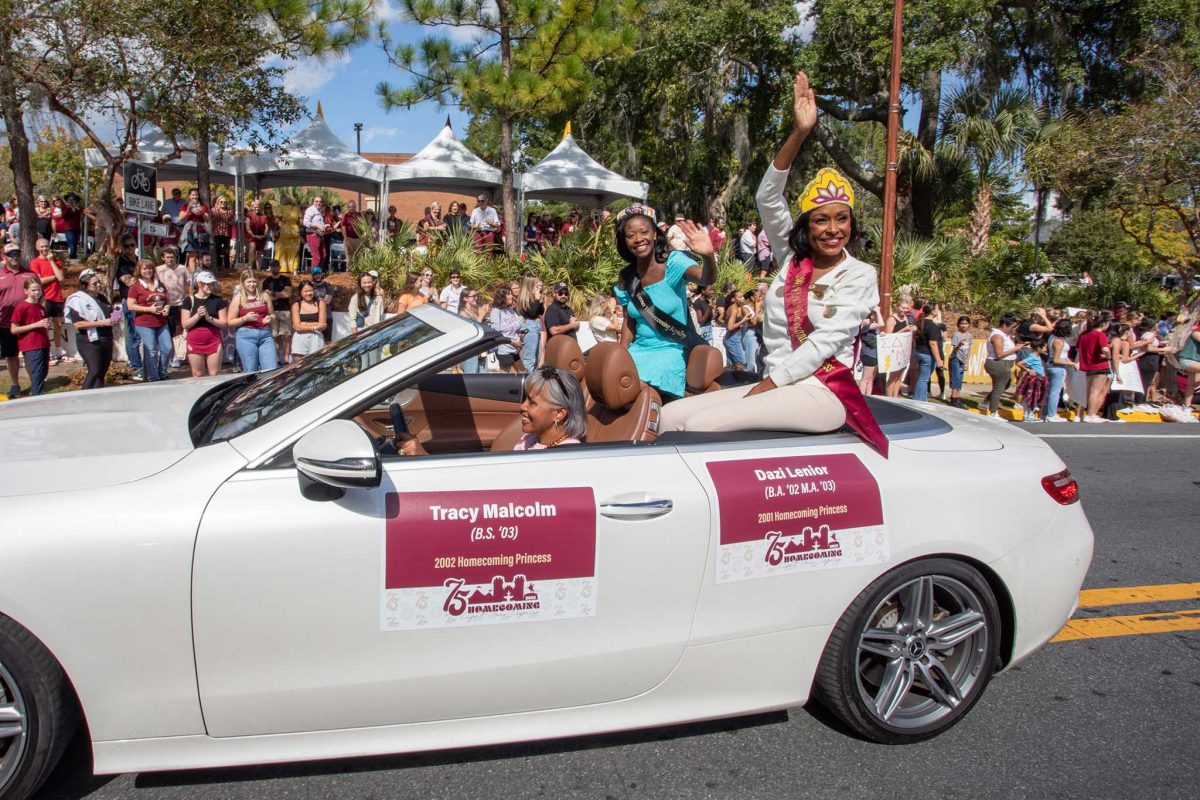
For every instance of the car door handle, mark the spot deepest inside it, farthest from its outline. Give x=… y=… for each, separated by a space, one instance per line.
x=638 y=509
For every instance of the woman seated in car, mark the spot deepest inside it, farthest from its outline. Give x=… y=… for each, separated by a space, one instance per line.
x=552 y=413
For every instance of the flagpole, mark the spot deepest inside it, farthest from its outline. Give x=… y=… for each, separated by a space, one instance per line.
x=887 y=246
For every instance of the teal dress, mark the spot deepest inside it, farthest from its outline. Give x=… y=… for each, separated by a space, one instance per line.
x=659 y=360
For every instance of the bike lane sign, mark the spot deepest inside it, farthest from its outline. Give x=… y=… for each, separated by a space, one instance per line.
x=141 y=188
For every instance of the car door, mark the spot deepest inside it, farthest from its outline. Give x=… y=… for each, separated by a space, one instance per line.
x=463 y=586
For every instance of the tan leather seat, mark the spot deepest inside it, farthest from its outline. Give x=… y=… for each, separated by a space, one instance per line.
x=562 y=352
x=704 y=367
x=623 y=408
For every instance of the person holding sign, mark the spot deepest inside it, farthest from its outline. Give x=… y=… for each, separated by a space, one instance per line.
x=812 y=310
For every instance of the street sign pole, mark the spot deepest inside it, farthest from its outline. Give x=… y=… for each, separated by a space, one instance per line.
x=138 y=217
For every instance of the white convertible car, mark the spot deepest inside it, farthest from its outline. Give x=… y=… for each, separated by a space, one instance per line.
x=235 y=571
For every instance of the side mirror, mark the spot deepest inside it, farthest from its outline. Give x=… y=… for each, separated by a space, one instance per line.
x=337 y=455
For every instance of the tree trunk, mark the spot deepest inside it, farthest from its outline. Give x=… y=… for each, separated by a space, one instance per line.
x=18 y=144
x=203 y=179
x=508 y=193
x=922 y=187
x=981 y=221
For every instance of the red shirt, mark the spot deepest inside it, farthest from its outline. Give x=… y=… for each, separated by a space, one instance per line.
x=27 y=313
x=1091 y=345
x=143 y=296
x=349 y=220
x=44 y=269
x=717 y=237
x=12 y=292
x=256 y=226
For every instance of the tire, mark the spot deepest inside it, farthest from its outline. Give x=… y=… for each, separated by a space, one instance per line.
x=898 y=668
x=38 y=713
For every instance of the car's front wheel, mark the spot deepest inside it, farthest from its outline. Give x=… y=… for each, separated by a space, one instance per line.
x=912 y=653
x=37 y=712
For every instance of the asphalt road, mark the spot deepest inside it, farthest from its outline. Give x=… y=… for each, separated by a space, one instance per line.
x=1101 y=718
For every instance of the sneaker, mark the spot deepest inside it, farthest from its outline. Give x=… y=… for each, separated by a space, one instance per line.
x=1055 y=419
x=995 y=415
x=14 y=392
x=139 y=375
x=1094 y=420
x=176 y=363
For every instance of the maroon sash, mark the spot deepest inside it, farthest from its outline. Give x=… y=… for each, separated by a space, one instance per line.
x=836 y=376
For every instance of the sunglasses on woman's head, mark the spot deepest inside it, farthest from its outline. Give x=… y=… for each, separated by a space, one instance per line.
x=550 y=373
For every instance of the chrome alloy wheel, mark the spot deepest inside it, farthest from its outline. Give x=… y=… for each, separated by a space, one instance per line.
x=14 y=728
x=922 y=651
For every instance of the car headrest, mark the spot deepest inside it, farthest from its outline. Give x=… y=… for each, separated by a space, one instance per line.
x=612 y=377
x=704 y=367
x=563 y=352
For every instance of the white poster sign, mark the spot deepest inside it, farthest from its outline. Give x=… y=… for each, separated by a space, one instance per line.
x=895 y=351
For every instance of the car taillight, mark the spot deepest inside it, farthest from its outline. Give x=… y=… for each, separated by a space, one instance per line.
x=1062 y=487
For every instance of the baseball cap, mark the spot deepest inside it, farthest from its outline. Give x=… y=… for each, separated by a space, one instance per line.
x=12 y=247
x=83 y=276
x=204 y=277
x=561 y=287
x=680 y=217
x=317 y=270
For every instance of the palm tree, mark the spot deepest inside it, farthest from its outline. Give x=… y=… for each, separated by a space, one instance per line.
x=990 y=132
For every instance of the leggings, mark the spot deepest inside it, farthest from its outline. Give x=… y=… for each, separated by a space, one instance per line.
x=805 y=407
x=1001 y=374
x=97 y=356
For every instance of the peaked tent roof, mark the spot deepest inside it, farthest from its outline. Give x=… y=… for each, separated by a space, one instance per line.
x=442 y=165
x=570 y=175
x=315 y=157
x=153 y=144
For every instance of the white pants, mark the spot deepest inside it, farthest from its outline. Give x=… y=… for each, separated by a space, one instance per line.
x=805 y=407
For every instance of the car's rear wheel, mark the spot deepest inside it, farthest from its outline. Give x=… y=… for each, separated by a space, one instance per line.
x=913 y=652
x=37 y=712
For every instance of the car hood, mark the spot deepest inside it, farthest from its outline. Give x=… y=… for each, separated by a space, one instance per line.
x=102 y=437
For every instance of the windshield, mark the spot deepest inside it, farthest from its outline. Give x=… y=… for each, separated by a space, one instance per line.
x=276 y=394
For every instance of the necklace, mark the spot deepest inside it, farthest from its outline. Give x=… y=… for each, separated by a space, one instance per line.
x=557 y=441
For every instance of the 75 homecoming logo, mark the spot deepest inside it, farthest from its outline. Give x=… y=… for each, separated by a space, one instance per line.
x=808 y=545
x=501 y=595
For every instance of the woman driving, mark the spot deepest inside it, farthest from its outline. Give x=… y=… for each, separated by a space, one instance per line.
x=813 y=310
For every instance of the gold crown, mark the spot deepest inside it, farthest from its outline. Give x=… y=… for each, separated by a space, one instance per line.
x=828 y=187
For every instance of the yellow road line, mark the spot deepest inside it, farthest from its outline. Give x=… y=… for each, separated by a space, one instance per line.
x=1102 y=627
x=1125 y=595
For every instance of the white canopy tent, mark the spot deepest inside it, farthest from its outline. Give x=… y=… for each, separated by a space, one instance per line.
x=445 y=164
x=153 y=145
x=569 y=175
x=314 y=157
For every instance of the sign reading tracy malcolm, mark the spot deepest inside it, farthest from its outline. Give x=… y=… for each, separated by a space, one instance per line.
x=141 y=188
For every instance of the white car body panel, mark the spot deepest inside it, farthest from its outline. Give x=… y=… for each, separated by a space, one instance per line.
x=315 y=581
x=207 y=614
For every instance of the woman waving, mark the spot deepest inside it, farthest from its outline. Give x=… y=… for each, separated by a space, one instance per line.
x=812 y=310
x=653 y=291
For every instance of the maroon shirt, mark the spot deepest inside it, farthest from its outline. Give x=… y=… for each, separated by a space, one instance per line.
x=12 y=292
x=27 y=313
x=142 y=296
x=1091 y=345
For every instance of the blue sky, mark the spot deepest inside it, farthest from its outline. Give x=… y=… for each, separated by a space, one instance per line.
x=346 y=89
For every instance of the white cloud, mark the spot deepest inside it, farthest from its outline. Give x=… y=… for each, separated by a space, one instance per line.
x=378 y=131
x=802 y=31
x=305 y=76
x=386 y=11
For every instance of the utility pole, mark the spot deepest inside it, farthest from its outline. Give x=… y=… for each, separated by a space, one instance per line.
x=358 y=126
x=889 y=178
